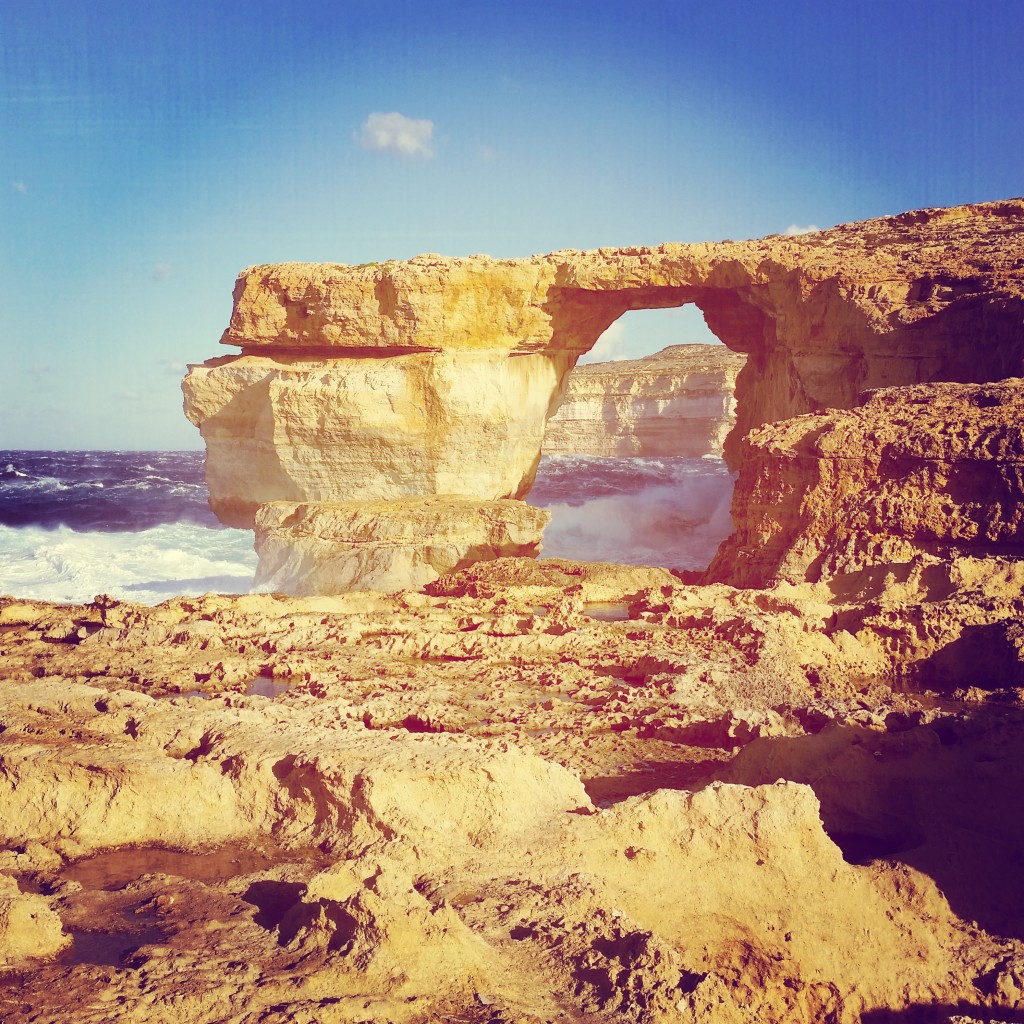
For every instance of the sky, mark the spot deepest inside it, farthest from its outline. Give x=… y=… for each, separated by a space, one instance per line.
x=149 y=152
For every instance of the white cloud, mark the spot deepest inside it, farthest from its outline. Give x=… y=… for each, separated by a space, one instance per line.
x=161 y=271
x=19 y=186
x=172 y=366
x=38 y=369
x=795 y=229
x=486 y=153
x=608 y=347
x=397 y=134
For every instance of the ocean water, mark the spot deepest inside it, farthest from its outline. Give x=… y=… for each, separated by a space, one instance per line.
x=137 y=525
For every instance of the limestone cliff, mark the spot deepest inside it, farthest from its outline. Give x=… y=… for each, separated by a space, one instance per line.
x=678 y=401
x=934 y=469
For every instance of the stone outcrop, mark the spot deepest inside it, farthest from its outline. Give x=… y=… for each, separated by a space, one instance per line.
x=933 y=469
x=436 y=376
x=386 y=545
x=29 y=928
x=368 y=428
x=678 y=401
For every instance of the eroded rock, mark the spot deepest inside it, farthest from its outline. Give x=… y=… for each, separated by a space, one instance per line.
x=933 y=469
x=327 y=549
x=437 y=376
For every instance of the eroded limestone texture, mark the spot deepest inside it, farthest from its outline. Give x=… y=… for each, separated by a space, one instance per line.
x=386 y=545
x=485 y=802
x=934 y=469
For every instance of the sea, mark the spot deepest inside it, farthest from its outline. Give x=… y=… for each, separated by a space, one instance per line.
x=138 y=525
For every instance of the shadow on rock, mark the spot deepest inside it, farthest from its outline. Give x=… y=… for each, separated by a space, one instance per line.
x=942 y=1014
x=988 y=655
x=945 y=798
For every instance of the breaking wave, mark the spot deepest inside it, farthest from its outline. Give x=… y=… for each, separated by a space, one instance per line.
x=670 y=511
x=138 y=526
x=147 y=567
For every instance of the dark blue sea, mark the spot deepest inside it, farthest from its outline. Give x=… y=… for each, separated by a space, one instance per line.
x=137 y=525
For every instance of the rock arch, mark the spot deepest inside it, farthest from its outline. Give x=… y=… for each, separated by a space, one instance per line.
x=435 y=376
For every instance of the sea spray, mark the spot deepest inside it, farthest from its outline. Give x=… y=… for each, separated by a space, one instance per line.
x=147 y=566
x=669 y=511
x=138 y=526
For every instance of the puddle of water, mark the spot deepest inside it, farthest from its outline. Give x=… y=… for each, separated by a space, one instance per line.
x=116 y=868
x=261 y=686
x=607 y=611
x=108 y=949
x=267 y=686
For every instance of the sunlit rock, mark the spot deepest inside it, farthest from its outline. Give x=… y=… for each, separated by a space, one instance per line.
x=437 y=375
x=934 y=469
x=386 y=545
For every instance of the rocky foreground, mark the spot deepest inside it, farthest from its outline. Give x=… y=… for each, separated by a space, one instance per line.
x=679 y=401
x=539 y=791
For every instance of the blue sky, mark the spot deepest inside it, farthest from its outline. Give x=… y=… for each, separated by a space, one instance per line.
x=150 y=151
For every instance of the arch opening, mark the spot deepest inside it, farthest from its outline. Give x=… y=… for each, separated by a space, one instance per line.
x=632 y=469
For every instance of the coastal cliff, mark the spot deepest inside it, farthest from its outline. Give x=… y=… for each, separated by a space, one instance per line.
x=678 y=401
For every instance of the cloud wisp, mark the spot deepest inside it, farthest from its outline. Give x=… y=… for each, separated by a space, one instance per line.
x=398 y=135
x=609 y=347
x=20 y=186
x=795 y=229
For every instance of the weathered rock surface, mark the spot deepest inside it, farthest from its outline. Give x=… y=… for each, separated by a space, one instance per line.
x=283 y=428
x=934 y=469
x=484 y=801
x=678 y=401
x=327 y=549
x=29 y=928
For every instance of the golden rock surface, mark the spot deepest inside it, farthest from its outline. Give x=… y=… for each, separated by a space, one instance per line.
x=437 y=376
x=534 y=790
x=311 y=548
x=934 y=469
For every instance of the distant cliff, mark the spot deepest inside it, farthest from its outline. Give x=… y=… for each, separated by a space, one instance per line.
x=678 y=401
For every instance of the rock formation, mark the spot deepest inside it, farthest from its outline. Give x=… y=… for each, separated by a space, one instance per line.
x=436 y=376
x=386 y=545
x=678 y=401
x=935 y=469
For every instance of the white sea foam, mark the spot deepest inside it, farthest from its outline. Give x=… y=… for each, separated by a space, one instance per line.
x=678 y=525
x=146 y=567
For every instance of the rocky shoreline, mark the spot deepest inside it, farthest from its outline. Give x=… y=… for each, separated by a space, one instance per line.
x=534 y=778
x=534 y=790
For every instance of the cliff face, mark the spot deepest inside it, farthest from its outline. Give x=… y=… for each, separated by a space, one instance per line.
x=934 y=470
x=437 y=376
x=678 y=401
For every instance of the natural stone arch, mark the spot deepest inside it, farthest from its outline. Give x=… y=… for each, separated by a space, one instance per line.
x=731 y=315
x=435 y=376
